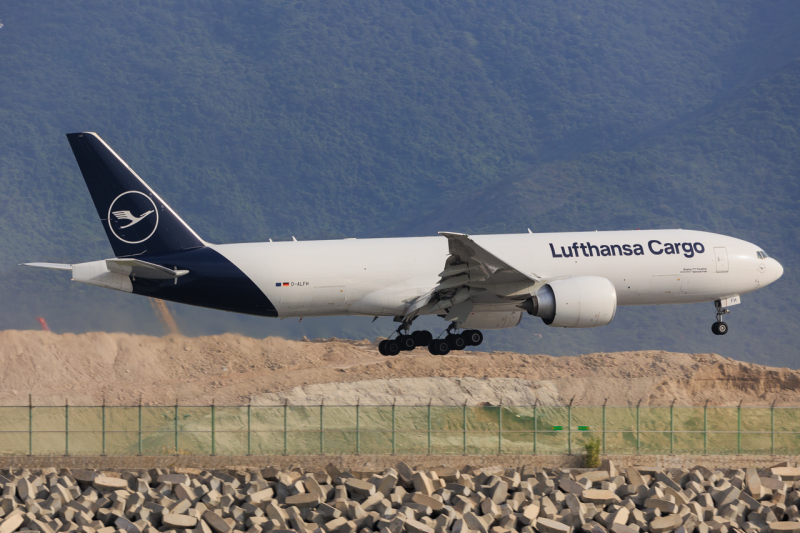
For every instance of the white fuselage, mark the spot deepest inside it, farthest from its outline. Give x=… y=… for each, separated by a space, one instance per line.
x=378 y=277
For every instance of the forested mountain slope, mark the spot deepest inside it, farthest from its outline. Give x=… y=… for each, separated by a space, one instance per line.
x=333 y=119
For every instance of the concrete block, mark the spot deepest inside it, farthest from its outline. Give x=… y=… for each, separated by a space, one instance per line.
x=787 y=473
x=570 y=486
x=474 y=523
x=665 y=506
x=10 y=524
x=413 y=526
x=422 y=483
x=622 y=528
x=599 y=496
x=546 y=525
x=427 y=501
x=785 y=527
x=665 y=524
x=215 y=522
x=596 y=476
x=499 y=492
x=105 y=483
x=179 y=521
x=125 y=525
x=634 y=477
x=388 y=484
x=360 y=489
x=728 y=496
x=303 y=500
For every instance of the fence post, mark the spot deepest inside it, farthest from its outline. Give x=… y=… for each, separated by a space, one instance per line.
x=705 y=428
x=103 y=413
x=66 y=427
x=739 y=427
x=671 y=427
x=176 y=426
x=429 y=426
x=500 y=429
x=213 y=427
x=358 y=426
x=394 y=428
x=249 y=426
x=535 y=425
x=322 y=427
x=140 y=425
x=569 y=426
x=30 y=424
x=604 y=425
x=464 y=421
x=638 y=404
x=772 y=423
x=285 y=426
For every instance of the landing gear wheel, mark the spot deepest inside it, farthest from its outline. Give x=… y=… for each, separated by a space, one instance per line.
x=406 y=342
x=719 y=328
x=392 y=347
x=441 y=347
x=473 y=337
x=422 y=337
x=382 y=347
x=456 y=342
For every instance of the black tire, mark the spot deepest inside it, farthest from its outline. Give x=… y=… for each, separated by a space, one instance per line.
x=422 y=337
x=714 y=329
x=392 y=347
x=382 y=347
x=722 y=328
x=406 y=342
x=456 y=342
x=473 y=337
x=432 y=348
x=442 y=346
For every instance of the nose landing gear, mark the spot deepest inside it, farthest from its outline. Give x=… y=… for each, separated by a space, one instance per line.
x=719 y=327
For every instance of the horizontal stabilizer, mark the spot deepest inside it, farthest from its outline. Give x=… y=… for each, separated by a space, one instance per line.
x=142 y=269
x=54 y=266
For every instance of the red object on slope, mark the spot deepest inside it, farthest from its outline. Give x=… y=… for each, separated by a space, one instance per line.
x=43 y=323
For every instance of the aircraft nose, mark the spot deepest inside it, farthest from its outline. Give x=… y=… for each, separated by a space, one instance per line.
x=778 y=270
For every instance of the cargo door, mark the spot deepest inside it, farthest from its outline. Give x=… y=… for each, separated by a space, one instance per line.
x=721 y=255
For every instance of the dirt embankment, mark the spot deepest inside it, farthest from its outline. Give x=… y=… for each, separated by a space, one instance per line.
x=233 y=369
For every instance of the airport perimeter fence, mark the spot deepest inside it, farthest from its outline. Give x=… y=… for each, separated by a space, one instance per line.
x=378 y=430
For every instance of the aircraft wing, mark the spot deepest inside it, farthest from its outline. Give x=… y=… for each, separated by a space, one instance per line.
x=482 y=266
x=470 y=270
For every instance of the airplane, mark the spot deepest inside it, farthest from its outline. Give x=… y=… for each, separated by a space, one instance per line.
x=474 y=282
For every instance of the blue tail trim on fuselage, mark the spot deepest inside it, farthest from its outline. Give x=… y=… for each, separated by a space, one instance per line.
x=212 y=281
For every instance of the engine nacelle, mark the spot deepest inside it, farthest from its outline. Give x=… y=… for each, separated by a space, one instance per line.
x=580 y=302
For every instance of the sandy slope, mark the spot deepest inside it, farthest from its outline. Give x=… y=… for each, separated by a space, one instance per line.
x=233 y=369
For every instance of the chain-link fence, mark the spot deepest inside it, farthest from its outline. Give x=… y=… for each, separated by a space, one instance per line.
x=387 y=429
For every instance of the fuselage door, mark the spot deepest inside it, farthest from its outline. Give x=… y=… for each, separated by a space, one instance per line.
x=721 y=255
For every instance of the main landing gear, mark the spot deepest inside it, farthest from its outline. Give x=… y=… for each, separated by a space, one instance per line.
x=719 y=327
x=405 y=342
x=455 y=341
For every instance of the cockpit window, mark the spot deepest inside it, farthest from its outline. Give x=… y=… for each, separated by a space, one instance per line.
x=761 y=255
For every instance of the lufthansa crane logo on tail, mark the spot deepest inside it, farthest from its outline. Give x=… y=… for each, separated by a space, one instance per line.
x=133 y=217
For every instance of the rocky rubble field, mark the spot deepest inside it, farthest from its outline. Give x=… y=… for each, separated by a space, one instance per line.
x=403 y=500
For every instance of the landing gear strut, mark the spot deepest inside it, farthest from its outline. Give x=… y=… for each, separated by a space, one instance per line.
x=455 y=341
x=719 y=327
x=405 y=341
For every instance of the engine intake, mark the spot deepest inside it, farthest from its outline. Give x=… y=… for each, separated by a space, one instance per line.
x=579 y=302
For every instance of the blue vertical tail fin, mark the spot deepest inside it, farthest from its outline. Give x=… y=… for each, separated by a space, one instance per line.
x=137 y=221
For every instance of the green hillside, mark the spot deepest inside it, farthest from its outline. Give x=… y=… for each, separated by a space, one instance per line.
x=259 y=120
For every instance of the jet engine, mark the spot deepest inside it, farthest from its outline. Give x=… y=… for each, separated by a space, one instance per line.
x=579 y=302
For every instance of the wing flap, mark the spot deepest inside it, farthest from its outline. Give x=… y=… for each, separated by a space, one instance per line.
x=483 y=266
